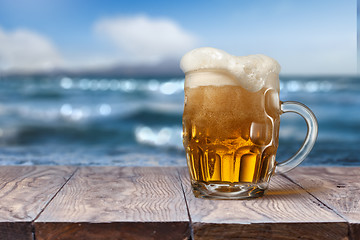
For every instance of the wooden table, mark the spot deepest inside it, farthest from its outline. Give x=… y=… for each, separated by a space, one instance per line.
x=69 y=202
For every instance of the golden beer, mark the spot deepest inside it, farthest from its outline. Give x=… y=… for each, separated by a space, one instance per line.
x=231 y=123
x=230 y=136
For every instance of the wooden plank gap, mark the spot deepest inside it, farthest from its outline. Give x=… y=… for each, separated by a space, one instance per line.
x=33 y=232
x=117 y=203
x=285 y=212
x=354 y=231
x=338 y=188
x=24 y=192
x=322 y=202
x=48 y=202
x=186 y=202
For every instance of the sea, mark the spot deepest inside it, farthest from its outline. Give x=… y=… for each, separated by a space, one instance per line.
x=90 y=121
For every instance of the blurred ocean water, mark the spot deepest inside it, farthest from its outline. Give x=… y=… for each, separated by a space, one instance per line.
x=128 y=122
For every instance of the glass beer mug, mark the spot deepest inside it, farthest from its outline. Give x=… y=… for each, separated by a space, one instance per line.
x=231 y=128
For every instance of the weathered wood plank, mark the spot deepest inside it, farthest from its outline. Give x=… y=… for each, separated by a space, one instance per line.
x=268 y=231
x=285 y=212
x=112 y=230
x=15 y=230
x=337 y=187
x=24 y=192
x=117 y=203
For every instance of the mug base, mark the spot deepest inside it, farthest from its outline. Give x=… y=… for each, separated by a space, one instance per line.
x=227 y=190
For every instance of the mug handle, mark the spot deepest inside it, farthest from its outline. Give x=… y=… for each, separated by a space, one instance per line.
x=311 y=135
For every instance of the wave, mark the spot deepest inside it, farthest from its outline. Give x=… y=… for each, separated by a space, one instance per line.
x=104 y=119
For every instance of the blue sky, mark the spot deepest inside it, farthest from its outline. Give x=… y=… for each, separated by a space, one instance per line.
x=306 y=37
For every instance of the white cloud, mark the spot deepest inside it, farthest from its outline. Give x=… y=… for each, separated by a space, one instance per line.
x=27 y=51
x=146 y=39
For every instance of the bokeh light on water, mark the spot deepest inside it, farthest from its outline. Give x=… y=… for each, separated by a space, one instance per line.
x=128 y=121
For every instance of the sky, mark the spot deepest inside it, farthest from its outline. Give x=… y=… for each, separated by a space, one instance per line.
x=306 y=37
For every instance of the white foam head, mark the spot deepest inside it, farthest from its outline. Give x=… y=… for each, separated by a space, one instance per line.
x=252 y=72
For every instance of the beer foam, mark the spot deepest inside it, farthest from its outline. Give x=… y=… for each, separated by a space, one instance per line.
x=251 y=72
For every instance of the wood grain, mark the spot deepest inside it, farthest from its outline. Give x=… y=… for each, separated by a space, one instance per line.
x=285 y=212
x=336 y=187
x=148 y=203
x=24 y=193
x=117 y=202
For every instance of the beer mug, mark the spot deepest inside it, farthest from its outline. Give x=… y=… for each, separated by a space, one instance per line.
x=231 y=128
